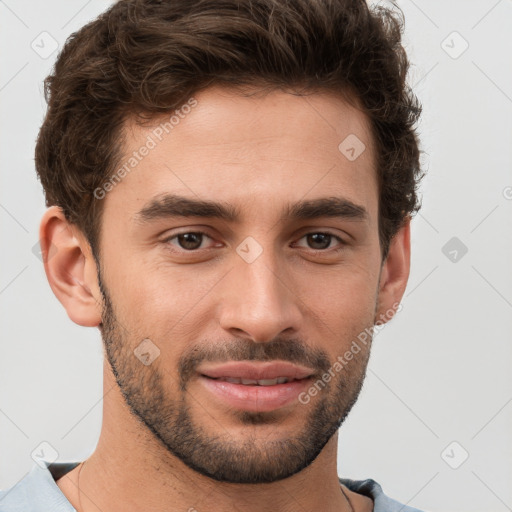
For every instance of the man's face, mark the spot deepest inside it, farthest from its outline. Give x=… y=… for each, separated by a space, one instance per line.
x=278 y=292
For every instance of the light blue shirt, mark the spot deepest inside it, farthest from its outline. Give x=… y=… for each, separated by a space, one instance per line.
x=39 y=492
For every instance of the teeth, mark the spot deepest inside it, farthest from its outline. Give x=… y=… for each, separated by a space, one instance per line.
x=249 y=382
x=253 y=382
x=267 y=382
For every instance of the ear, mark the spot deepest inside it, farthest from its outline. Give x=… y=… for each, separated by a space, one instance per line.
x=70 y=268
x=394 y=274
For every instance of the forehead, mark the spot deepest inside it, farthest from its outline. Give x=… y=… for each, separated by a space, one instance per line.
x=257 y=150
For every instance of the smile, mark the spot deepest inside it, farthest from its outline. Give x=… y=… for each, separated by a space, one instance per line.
x=255 y=386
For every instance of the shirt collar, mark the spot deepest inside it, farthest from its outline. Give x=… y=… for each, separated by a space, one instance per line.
x=39 y=492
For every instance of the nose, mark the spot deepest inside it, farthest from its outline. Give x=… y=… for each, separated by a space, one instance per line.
x=258 y=301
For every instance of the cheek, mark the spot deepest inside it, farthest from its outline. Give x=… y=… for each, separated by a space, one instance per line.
x=166 y=305
x=353 y=279
x=341 y=303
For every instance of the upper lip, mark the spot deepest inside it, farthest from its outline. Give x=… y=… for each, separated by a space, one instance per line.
x=256 y=370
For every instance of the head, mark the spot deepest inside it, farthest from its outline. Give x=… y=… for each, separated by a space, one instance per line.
x=232 y=182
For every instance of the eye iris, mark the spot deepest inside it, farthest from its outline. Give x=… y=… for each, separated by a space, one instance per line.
x=190 y=240
x=320 y=238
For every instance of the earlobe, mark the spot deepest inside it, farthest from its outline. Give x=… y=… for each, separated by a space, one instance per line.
x=394 y=274
x=70 y=268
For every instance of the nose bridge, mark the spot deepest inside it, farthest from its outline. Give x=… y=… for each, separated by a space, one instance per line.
x=259 y=302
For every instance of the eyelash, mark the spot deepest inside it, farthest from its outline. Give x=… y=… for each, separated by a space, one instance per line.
x=192 y=251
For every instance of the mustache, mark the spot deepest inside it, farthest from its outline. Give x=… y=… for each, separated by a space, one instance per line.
x=291 y=350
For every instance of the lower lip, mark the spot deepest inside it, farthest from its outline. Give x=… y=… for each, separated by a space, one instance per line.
x=255 y=398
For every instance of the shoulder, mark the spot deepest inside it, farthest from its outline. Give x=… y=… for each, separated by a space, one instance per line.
x=373 y=490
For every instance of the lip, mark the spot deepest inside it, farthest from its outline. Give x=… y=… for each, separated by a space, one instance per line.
x=256 y=370
x=255 y=398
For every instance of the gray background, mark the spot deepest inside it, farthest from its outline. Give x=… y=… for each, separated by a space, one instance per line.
x=439 y=372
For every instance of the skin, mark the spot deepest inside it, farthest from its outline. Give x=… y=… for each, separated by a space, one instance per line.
x=258 y=153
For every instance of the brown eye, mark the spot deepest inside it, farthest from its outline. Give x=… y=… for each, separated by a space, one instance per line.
x=320 y=241
x=188 y=241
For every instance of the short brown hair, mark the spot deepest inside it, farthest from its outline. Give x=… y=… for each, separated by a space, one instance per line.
x=147 y=57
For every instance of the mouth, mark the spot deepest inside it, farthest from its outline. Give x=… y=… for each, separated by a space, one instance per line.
x=253 y=382
x=255 y=386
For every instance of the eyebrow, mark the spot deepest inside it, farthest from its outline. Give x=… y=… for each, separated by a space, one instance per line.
x=171 y=205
